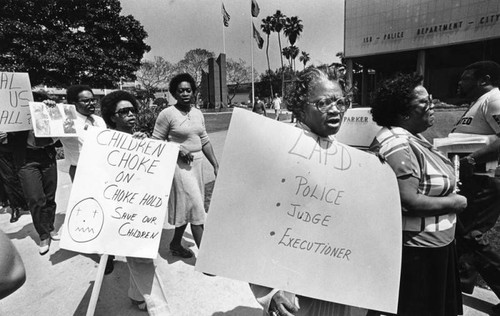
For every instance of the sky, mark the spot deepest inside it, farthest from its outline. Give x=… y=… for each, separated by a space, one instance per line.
x=176 y=26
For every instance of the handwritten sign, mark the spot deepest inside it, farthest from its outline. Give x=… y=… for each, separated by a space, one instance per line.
x=304 y=214
x=15 y=95
x=119 y=198
x=53 y=121
x=358 y=128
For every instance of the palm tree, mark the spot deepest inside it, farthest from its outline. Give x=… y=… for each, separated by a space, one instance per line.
x=278 y=21
x=267 y=27
x=287 y=52
x=304 y=58
x=294 y=52
x=292 y=29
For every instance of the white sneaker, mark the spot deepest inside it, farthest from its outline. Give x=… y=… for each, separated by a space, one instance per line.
x=55 y=236
x=44 y=246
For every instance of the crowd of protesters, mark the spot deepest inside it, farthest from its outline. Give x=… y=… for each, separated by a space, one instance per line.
x=444 y=230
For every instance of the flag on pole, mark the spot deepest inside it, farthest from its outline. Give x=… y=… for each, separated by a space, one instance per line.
x=258 y=38
x=255 y=9
x=225 y=16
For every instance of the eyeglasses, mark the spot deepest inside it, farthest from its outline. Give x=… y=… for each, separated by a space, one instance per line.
x=324 y=105
x=126 y=111
x=428 y=104
x=87 y=101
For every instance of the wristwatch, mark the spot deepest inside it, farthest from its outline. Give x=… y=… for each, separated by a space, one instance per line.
x=470 y=160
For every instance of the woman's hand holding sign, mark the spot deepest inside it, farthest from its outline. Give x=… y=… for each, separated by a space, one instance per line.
x=281 y=305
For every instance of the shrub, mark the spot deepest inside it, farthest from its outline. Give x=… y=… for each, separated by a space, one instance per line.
x=146 y=118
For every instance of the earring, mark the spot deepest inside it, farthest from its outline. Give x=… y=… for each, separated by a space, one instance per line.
x=406 y=117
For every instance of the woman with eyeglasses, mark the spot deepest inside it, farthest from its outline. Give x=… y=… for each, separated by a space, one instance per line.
x=145 y=291
x=184 y=124
x=430 y=283
x=319 y=105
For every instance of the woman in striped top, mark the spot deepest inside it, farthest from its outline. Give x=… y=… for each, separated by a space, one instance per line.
x=429 y=274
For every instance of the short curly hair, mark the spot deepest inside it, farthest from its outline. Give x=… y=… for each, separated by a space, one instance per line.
x=73 y=91
x=178 y=79
x=109 y=102
x=303 y=85
x=392 y=99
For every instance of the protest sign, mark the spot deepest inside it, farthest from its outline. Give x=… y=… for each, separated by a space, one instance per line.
x=119 y=198
x=358 y=128
x=462 y=144
x=304 y=214
x=15 y=93
x=53 y=121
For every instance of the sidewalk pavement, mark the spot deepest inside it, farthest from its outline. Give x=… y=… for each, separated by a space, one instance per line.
x=60 y=282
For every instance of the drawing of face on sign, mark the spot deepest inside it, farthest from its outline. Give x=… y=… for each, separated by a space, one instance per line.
x=85 y=220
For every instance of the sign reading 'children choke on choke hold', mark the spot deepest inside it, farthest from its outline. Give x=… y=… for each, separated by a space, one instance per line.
x=119 y=198
x=304 y=214
x=15 y=95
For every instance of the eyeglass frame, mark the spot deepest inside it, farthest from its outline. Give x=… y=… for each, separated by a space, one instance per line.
x=88 y=101
x=332 y=102
x=428 y=105
x=129 y=109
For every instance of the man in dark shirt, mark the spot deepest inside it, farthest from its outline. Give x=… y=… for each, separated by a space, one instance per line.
x=259 y=107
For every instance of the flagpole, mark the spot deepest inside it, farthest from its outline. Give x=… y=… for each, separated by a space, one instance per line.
x=223 y=30
x=251 y=41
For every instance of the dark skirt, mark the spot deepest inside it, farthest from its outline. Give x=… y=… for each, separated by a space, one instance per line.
x=430 y=284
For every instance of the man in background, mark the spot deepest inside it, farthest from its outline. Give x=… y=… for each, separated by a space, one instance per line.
x=277 y=106
x=479 y=85
x=259 y=107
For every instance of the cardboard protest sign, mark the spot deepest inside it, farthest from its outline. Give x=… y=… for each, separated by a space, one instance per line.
x=119 y=198
x=15 y=93
x=463 y=144
x=358 y=128
x=53 y=121
x=304 y=214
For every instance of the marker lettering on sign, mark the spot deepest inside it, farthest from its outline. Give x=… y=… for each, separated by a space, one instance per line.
x=316 y=247
x=7 y=81
x=151 y=200
x=324 y=151
x=125 y=142
x=130 y=161
x=123 y=215
x=308 y=217
x=314 y=191
x=10 y=117
x=113 y=192
x=128 y=231
x=124 y=177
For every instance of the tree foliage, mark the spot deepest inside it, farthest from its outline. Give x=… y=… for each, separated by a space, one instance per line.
x=278 y=22
x=304 y=58
x=292 y=29
x=153 y=75
x=194 y=62
x=237 y=72
x=70 y=41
